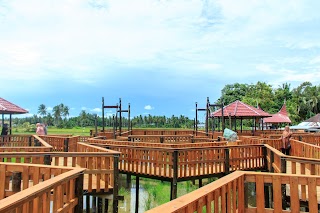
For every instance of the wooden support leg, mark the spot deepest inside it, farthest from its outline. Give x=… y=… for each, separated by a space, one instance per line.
x=137 y=195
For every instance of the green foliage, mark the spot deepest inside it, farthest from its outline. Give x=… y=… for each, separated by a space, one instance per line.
x=302 y=102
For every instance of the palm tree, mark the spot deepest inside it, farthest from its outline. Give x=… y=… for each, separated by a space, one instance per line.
x=57 y=114
x=65 y=111
x=42 y=110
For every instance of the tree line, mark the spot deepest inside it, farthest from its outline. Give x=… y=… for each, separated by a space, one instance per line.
x=302 y=103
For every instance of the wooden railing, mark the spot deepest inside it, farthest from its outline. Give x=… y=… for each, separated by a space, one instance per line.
x=63 y=143
x=229 y=194
x=185 y=163
x=160 y=139
x=101 y=165
x=35 y=188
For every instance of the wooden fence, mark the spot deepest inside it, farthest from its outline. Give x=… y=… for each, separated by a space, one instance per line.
x=230 y=194
x=35 y=188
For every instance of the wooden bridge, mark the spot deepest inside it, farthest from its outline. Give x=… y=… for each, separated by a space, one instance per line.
x=92 y=165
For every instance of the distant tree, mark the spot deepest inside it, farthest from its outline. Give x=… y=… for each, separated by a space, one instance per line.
x=42 y=110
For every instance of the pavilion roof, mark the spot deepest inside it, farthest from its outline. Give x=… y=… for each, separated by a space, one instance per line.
x=280 y=117
x=240 y=109
x=7 y=107
x=315 y=118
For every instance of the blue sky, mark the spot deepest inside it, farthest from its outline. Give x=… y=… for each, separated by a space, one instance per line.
x=161 y=56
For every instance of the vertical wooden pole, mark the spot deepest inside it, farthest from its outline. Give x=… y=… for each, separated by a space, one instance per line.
x=99 y=204
x=96 y=125
x=87 y=204
x=227 y=162
x=200 y=183
x=102 y=114
x=222 y=116
x=207 y=117
x=137 y=194
x=196 y=122
x=114 y=127
x=120 y=119
x=106 y=205
x=116 y=183
x=265 y=162
x=174 y=184
x=128 y=181
x=241 y=124
x=129 y=117
x=10 y=124
x=283 y=186
x=79 y=193
x=94 y=203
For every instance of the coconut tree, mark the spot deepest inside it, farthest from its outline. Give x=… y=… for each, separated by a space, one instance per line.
x=42 y=110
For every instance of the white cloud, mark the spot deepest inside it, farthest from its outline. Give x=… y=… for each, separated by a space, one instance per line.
x=83 y=108
x=96 y=110
x=148 y=107
x=315 y=60
x=49 y=108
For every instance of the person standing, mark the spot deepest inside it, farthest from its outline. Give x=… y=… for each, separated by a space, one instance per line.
x=40 y=129
x=5 y=129
x=45 y=128
x=285 y=139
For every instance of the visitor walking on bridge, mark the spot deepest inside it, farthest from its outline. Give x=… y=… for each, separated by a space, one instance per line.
x=285 y=145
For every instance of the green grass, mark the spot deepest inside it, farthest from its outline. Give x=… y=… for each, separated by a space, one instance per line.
x=85 y=131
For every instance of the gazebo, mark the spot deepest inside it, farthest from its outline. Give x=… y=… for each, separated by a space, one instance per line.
x=240 y=110
x=9 y=108
x=278 y=118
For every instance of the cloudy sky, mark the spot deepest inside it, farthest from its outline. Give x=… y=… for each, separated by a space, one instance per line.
x=161 y=56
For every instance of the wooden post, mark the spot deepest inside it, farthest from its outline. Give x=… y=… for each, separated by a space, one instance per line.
x=114 y=127
x=196 y=122
x=207 y=117
x=99 y=204
x=137 y=195
x=283 y=186
x=66 y=145
x=200 y=183
x=79 y=193
x=120 y=119
x=96 y=125
x=87 y=204
x=271 y=161
x=102 y=114
x=128 y=181
x=222 y=116
x=174 y=183
x=16 y=181
x=227 y=162
x=241 y=124
x=106 y=205
x=94 y=203
x=264 y=151
x=10 y=124
x=129 y=117
x=116 y=183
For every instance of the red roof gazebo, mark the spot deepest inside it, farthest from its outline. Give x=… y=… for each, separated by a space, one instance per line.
x=9 y=108
x=280 y=117
x=240 y=110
